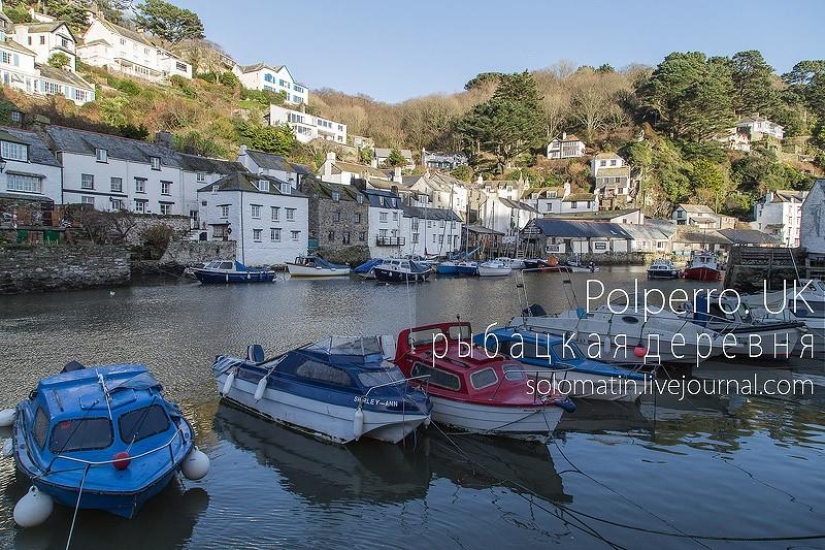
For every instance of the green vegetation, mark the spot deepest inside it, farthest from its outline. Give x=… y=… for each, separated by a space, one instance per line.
x=168 y=21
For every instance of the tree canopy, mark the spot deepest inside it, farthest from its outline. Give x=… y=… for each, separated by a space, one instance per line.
x=168 y=21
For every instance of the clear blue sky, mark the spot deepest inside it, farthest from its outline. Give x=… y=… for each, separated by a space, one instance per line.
x=394 y=50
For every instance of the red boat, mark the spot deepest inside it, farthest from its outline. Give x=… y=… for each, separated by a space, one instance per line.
x=478 y=393
x=703 y=267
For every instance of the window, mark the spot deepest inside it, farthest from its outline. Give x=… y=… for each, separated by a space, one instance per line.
x=441 y=224
x=87 y=181
x=326 y=374
x=346 y=238
x=296 y=235
x=290 y=214
x=383 y=217
x=286 y=188
x=362 y=236
x=276 y=213
x=102 y=155
x=415 y=238
x=117 y=204
x=165 y=208
x=50 y=88
x=24 y=184
x=14 y=151
x=155 y=163
x=360 y=199
x=483 y=379
x=201 y=177
x=117 y=185
x=30 y=41
x=166 y=188
x=256 y=211
x=122 y=41
x=331 y=236
x=356 y=218
x=275 y=235
x=42 y=40
x=65 y=42
x=263 y=185
x=336 y=196
x=7 y=58
x=336 y=216
x=140 y=206
x=140 y=185
x=87 y=200
x=81 y=435
x=395 y=216
x=602 y=163
x=613 y=162
x=256 y=235
x=41 y=427
x=574 y=205
x=145 y=51
x=181 y=66
x=438 y=377
x=141 y=423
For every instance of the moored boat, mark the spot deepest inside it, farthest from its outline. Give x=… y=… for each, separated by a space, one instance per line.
x=365 y=270
x=663 y=269
x=563 y=362
x=477 y=393
x=316 y=266
x=231 y=271
x=575 y=265
x=100 y=438
x=401 y=271
x=447 y=268
x=467 y=268
x=338 y=389
x=513 y=263
x=703 y=267
x=493 y=269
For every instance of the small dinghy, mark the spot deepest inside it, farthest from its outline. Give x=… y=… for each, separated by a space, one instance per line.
x=494 y=269
x=338 y=389
x=316 y=266
x=100 y=438
x=401 y=271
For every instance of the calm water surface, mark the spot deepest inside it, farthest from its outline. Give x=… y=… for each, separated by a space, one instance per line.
x=648 y=475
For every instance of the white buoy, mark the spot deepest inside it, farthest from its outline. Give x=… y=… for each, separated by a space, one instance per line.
x=33 y=509
x=8 y=448
x=427 y=422
x=7 y=417
x=227 y=386
x=259 y=391
x=358 y=424
x=195 y=465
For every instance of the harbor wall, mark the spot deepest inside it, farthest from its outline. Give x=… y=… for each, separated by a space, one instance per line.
x=183 y=253
x=52 y=268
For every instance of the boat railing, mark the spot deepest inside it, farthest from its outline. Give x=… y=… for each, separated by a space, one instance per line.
x=404 y=381
x=93 y=463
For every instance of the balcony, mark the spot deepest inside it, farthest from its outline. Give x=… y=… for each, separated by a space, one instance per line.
x=390 y=241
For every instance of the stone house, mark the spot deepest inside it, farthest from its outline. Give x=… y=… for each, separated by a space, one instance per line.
x=338 y=215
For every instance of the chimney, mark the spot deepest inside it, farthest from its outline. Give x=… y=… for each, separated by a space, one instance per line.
x=374 y=162
x=394 y=189
x=480 y=180
x=331 y=156
x=164 y=139
x=563 y=136
x=396 y=174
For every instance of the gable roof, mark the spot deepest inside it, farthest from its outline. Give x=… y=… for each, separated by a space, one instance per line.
x=650 y=232
x=697 y=209
x=543 y=191
x=788 y=196
x=269 y=161
x=613 y=171
x=600 y=156
x=311 y=185
x=62 y=75
x=361 y=169
x=574 y=197
x=260 y=66
x=197 y=163
x=38 y=150
x=430 y=213
x=39 y=27
x=517 y=205
x=83 y=142
x=573 y=229
x=10 y=44
x=568 y=139
x=749 y=236
x=689 y=234
x=247 y=182
x=126 y=33
x=383 y=199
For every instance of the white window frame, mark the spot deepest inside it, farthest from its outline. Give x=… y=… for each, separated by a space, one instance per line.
x=256 y=211
x=101 y=155
x=87 y=181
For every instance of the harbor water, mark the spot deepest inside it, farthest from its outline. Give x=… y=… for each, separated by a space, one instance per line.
x=714 y=470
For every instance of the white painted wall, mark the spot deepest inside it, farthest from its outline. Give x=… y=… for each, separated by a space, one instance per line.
x=812 y=232
x=51 y=185
x=53 y=42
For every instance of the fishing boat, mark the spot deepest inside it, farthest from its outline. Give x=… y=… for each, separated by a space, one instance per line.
x=663 y=269
x=493 y=269
x=337 y=389
x=231 y=271
x=745 y=335
x=474 y=392
x=703 y=267
x=467 y=268
x=401 y=271
x=100 y=438
x=316 y=266
x=564 y=363
x=513 y=263
x=624 y=337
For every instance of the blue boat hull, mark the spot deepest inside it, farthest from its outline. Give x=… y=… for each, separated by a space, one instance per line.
x=447 y=270
x=466 y=270
x=229 y=278
x=387 y=276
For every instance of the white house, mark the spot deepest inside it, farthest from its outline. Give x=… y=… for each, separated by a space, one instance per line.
x=431 y=231
x=30 y=171
x=575 y=237
x=437 y=190
x=47 y=39
x=17 y=68
x=565 y=147
x=734 y=139
x=308 y=127
x=259 y=162
x=268 y=217
x=197 y=171
x=113 y=173
x=261 y=76
x=443 y=161
x=337 y=171
x=758 y=127
x=603 y=161
x=701 y=216
x=386 y=234
x=134 y=53
x=779 y=213
x=380 y=155
x=506 y=216
x=812 y=233
x=651 y=238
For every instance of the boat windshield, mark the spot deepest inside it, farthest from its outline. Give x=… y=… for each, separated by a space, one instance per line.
x=381 y=377
x=348 y=345
x=82 y=434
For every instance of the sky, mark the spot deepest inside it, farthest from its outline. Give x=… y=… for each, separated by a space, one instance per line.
x=392 y=51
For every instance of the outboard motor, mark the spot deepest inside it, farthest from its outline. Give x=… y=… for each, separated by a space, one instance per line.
x=533 y=310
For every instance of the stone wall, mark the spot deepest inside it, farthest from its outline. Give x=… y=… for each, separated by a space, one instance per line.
x=179 y=224
x=49 y=268
x=183 y=253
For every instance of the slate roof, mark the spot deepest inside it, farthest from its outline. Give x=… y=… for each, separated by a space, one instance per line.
x=10 y=44
x=197 y=163
x=788 y=196
x=600 y=215
x=258 y=66
x=542 y=191
x=749 y=236
x=63 y=75
x=82 y=142
x=430 y=213
x=576 y=229
x=38 y=150
x=483 y=230
x=127 y=33
x=46 y=27
x=247 y=182
x=268 y=161
x=573 y=197
x=383 y=199
x=649 y=232
x=601 y=156
x=688 y=234
x=518 y=205
x=613 y=171
x=355 y=168
x=696 y=209
x=302 y=169
x=312 y=185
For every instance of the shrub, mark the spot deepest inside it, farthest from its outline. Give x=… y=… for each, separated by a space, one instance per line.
x=155 y=240
x=127 y=86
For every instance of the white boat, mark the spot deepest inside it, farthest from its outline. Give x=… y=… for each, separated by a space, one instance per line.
x=513 y=263
x=315 y=266
x=625 y=337
x=575 y=265
x=338 y=389
x=663 y=269
x=493 y=269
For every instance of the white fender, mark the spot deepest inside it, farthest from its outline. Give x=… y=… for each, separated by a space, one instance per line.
x=7 y=417
x=196 y=465
x=259 y=391
x=227 y=386
x=358 y=424
x=33 y=509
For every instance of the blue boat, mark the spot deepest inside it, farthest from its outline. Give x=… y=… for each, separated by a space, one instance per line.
x=565 y=363
x=338 y=389
x=231 y=271
x=365 y=269
x=447 y=268
x=100 y=438
x=467 y=268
